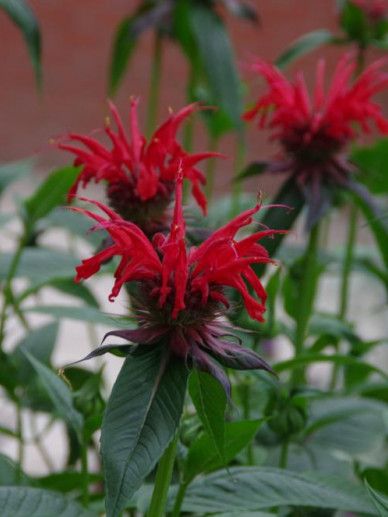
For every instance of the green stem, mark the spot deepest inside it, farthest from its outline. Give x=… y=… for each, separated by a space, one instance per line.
x=179 y=499
x=19 y=423
x=211 y=168
x=347 y=263
x=284 y=454
x=153 y=100
x=245 y=392
x=7 y=291
x=85 y=472
x=306 y=299
x=163 y=480
x=237 y=185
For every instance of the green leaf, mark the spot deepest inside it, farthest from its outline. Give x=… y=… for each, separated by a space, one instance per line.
x=124 y=44
x=40 y=264
x=64 y=285
x=141 y=418
x=66 y=481
x=256 y=488
x=253 y=169
x=10 y=172
x=209 y=399
x=10 y=473
x=352 y=425
x=75 y=223
x=333 y=358
x=23 y=16
x=379 y=500
x=51 y=193
x=59 y=394
x=40 y=344
x=377 y=223
x=303 y=45
x=90 y=314
x=203 y=457
x=26 y=501
x=371 y=162
x=217 y=59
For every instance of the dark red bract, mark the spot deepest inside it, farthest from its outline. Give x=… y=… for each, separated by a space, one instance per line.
x=139 y=175
x=180 y=293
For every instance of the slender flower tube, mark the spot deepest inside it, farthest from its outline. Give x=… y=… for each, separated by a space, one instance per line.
x=314 y=131
x=181 y=291
x=139 y=175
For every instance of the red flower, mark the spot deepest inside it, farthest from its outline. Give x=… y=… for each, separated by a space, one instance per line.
x=314 y=130
x=140 y=176
x=375 y=10
x=181 y=291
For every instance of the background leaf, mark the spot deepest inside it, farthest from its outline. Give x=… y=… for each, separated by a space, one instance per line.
x=10 y=172
x=23 y=16
x=379 y=500
x=303 y=45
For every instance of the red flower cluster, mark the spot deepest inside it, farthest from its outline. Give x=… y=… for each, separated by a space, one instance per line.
x=140 y=176
x=375 y=10
x=180 y=290
x=314 y=130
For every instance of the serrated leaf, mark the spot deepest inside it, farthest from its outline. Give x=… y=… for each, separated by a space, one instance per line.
x=27 y=501
x=379 y=500
x=51 y=193
x=202 y=456
x=256 y=488
x=10 y=172
x=23 y=16
x=303 y=45
x=141 y=418
x=209 y=399
x=59 y=394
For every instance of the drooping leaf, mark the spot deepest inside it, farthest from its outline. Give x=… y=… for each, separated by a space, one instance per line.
x=23 y=16
x=209 y=399
x=27 y=501
x=51 y=193
x=40 y=344
x=58 y=392
x=40 y=264
x=303 y=45
x=10 y=172
x=141 y=418
x=202 y=455
x=90 y=314
x=256 y=488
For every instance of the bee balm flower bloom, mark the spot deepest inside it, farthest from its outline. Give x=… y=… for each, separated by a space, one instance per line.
x=181 y=291
x=139 y=175
x=314 y=130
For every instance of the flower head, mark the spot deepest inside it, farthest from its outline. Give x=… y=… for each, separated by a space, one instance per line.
x=314 y=130
x=139 y=175
x=181 y=291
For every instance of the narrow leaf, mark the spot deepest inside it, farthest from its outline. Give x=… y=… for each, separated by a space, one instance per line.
x=253 y=169
x=58 y=392
x=23 y=16
x=303 y=45
x=209 y=399
x=141 y=418
x=379 y=500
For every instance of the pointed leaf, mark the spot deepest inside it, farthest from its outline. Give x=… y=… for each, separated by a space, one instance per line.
x=209 y=399
x=24 y=502
x=23 y=16
x=202 y=456
x=303 y=45
x=141 y=418
x=379 y=500
x=51 y=193
x=58 y=392
x=90 y=314
x=253 y=169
